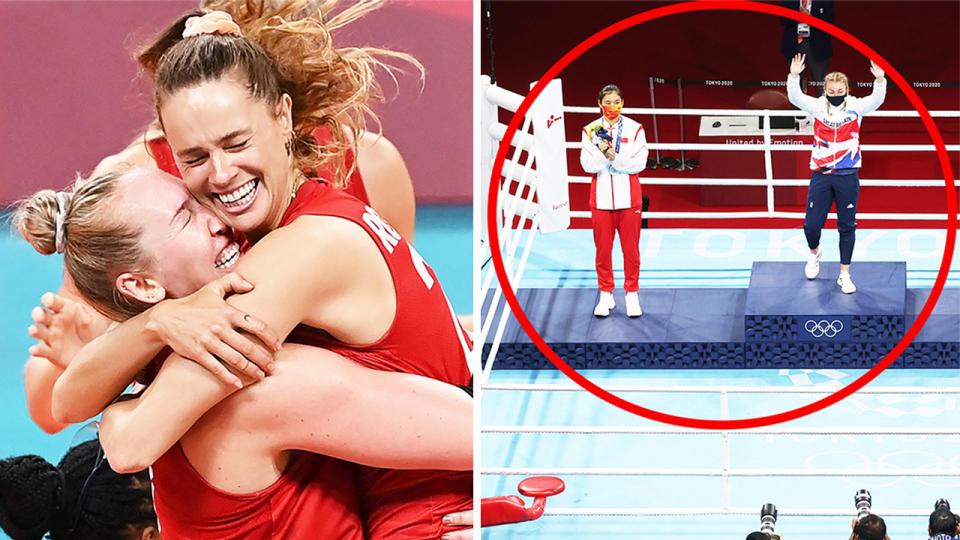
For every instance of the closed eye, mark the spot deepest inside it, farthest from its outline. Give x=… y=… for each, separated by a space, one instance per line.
x=238 y=146
x=194 y=161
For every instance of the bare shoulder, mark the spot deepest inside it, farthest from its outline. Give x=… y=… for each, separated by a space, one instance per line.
x=136 y=155
x=387 y=181
x=309 y=240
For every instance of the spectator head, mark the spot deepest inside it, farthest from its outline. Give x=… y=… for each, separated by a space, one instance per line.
x=871 y=527
x=943 y=521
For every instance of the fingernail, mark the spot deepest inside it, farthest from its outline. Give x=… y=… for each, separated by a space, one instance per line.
x=447 y=521
x=238 y=384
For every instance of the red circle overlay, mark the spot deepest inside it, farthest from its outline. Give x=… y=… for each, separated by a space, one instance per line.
x=743 y=423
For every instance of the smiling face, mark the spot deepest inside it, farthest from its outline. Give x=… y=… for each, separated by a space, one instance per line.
x=230 y=148
x=187 y=244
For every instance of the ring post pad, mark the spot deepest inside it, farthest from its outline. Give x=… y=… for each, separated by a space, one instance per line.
x=541 y=486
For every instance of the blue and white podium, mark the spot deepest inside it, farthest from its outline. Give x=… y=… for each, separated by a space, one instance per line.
x=789 y=317
x=783 y=320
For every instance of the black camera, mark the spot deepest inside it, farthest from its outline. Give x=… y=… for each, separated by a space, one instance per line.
x=768 y=520
x=941 y=504
x=604 y=134
x=863 y=501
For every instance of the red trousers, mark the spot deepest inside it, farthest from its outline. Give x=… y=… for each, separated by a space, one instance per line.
x=606 y=223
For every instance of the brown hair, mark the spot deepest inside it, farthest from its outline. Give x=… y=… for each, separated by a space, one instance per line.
x=97 y=246
x=283 y=51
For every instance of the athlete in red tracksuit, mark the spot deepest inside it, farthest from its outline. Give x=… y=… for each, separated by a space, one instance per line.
x=614 y=149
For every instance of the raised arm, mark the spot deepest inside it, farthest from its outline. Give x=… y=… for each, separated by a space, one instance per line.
x=315 y=401
x=868 y=104
x=591 y=158
x=633 y=158
x=807 y=104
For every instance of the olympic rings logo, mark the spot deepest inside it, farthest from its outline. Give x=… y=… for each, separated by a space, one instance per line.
x=823 y=328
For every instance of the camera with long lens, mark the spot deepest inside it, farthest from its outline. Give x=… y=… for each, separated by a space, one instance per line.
x=768 y=521
x=863 y=502
x=941 y=504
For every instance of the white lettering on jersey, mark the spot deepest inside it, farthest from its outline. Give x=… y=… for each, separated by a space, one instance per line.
x=388 y=237
x=421 y=266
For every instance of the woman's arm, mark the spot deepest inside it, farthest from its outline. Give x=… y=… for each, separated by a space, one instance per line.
x=39 y=376
x=322 y=286
x=315 y=401
x=199 y=326
x=591 y=158
x=387 y=182
x=798 y=99
x=633 y=158
x=868 y=104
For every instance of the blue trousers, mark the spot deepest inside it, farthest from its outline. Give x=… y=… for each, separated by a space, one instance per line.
x=824 y=190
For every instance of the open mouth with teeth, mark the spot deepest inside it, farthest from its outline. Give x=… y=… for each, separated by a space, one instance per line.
x=228 y=256
x=239 y=199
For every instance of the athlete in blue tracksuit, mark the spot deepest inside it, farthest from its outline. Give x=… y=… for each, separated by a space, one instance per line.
x=835 y=160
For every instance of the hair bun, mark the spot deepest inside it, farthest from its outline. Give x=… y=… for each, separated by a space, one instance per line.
x=30 y=489
x=36 y=220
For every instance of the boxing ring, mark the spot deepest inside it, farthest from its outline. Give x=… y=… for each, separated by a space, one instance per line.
x=629 y=477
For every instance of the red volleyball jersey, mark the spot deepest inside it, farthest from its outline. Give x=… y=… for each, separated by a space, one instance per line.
x=315 y=498
x=425 y=339
x=163 y=155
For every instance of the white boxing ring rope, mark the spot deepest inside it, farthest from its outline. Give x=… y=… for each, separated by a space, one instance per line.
x=493 y=129
x=725 y=473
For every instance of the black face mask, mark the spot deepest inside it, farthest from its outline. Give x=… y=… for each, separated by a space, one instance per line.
x=836 y=101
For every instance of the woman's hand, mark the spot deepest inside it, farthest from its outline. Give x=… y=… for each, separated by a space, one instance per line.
x=797 y=65
x=63 y=326
x=459 y=519
x=207 y=330
x=876 y=71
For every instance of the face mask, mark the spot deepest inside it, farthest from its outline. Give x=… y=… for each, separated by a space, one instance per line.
x=836 y=101
x=611 y=111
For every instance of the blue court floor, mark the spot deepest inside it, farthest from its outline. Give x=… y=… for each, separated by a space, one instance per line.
x=677 y=258
x=443 y=238
x=704 y=450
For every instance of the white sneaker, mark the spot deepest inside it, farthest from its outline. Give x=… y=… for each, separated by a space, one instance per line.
x=846 y=284
x=813 y=263
x=604 y=305
x=633 y=305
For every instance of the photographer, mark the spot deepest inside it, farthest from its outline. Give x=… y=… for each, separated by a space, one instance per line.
x=768 y=522
x=869 y=527
x=944 y=524
x=763 y=536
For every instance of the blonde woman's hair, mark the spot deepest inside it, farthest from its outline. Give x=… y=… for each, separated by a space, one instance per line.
x=97 y=245
x=836 y=76
x=286 y=47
